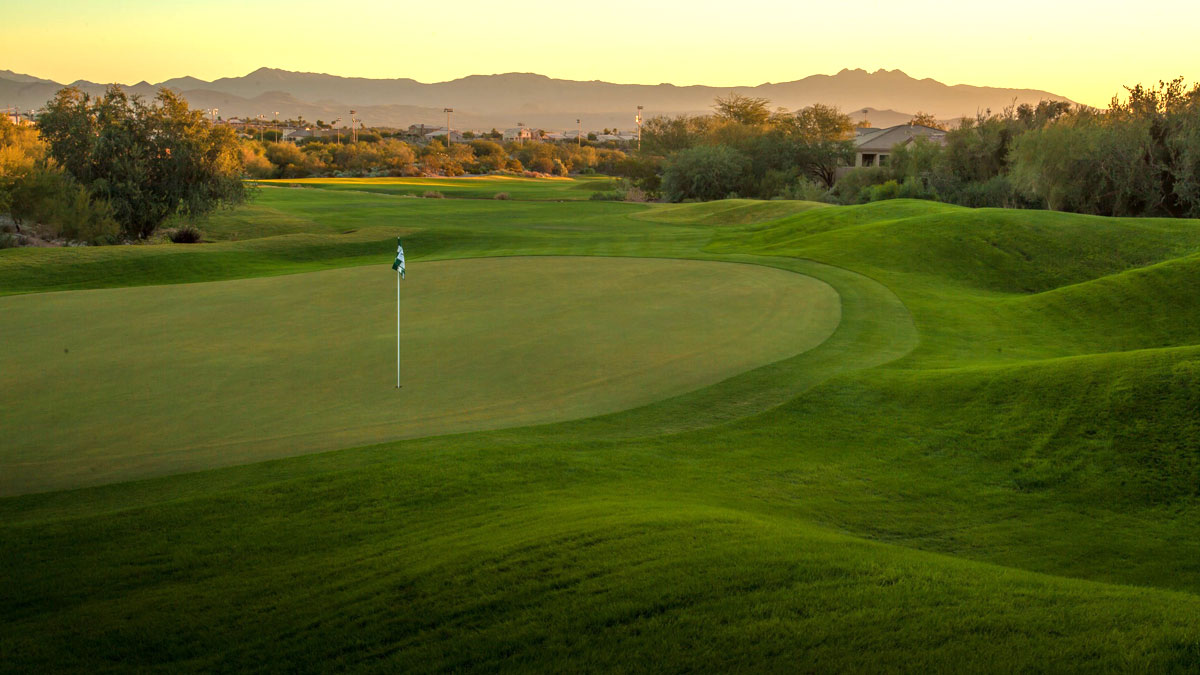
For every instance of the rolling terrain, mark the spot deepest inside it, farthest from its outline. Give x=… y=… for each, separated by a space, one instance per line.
x=988 y=460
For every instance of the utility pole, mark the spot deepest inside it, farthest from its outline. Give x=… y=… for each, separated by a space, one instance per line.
x=639 y=121
x=214 y=115
x=447 y=111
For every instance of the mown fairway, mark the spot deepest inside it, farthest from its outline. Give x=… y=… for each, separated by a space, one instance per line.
x=124 y=383
x=474 y=187
x=991 y=464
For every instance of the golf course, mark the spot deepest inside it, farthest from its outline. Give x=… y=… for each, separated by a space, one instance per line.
x=736 y=435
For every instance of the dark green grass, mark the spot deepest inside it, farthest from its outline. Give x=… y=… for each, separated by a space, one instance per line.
x=992 y=465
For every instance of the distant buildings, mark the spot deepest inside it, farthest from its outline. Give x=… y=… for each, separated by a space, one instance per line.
x=15 y=117
x=518 y=134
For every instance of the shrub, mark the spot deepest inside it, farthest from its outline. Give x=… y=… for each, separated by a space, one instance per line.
x=188 y=234
x=433 y=194
x=611 y=196
x=705 y=173
x=62 y=208
x=854 y=187
x=804 y=190
x=889 y=189
x=503 y=196
x=635 y=194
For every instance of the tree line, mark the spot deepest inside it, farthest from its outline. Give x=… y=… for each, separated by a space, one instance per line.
x=115 y=168
x=375 y=155
x=1140 y=156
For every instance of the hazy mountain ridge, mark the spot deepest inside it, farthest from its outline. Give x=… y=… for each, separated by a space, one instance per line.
x=485 y=101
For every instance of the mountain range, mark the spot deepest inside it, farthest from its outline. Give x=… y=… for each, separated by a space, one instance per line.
x=884 y=97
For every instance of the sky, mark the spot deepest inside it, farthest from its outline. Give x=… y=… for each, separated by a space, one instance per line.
x=1085 y=51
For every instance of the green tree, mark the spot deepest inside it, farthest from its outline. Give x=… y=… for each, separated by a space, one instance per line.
x=823 y=135
x=925 y=119
x=705 y=172
x=148 y=161
x=748 y=110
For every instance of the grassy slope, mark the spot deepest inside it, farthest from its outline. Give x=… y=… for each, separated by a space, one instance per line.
x=1045 y=421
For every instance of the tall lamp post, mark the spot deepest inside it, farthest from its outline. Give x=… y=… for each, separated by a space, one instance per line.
x=353 y=130
x=214 y=115
x=579 y=133
x=278 y=133
x=447 y=111
x=335 y=124
x=639 y=122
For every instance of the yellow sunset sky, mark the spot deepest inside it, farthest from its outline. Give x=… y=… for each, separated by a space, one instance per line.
x=1083 y=50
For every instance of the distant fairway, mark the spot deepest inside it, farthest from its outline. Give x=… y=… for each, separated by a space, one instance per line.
x=467 y=187
x=123 y=383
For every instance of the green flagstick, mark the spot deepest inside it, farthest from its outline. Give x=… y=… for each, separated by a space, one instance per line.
x=399 y=267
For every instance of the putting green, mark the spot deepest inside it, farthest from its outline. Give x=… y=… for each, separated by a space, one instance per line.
x=106 y=385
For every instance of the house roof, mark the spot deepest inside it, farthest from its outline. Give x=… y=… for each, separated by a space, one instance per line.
x=883 y=139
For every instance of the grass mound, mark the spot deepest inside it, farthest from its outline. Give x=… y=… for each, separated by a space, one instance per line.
x=728 y=212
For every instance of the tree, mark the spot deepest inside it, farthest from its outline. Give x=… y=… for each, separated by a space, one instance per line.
x=704 y=172
x=743 y=109
x=148 y=161
x=925 y=119
x=824 y=136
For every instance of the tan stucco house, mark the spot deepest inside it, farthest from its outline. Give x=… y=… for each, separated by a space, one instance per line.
x=872 y=146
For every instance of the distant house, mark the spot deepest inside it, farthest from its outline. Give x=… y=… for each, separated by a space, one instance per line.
x=440 y=133
x=518 y=134
x=18 y=119
x=294 y=135
x=873 y=146
x=616 y=138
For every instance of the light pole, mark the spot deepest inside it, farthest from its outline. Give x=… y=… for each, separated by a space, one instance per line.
x=278 y=133
x=447 y=111
x=639 y=121
x=353 y=130
x=579 y=134
x=214 y=115
x=260 y=117
x=339 y=130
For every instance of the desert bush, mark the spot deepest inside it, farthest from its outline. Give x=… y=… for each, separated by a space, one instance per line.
x=503 y=196
x=433 y=194
x=854 y=187
x=188 y=234
x=804 y=190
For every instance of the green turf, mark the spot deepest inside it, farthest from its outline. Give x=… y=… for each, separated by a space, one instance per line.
x=990 y=465
x=241 y=371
